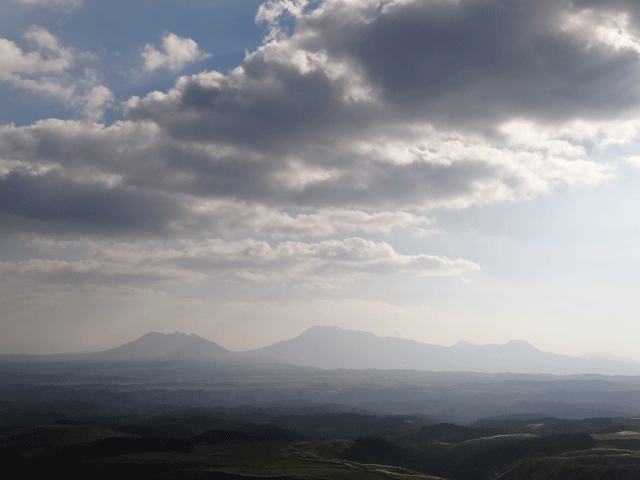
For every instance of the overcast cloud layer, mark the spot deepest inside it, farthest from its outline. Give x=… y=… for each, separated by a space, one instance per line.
x=354 y=120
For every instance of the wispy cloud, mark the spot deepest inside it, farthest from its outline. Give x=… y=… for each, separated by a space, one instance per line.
x=51 y=3
x=326 y=264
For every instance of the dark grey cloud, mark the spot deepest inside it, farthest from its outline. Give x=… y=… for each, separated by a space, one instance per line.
x=614 y=6
x=363 y=105
x=49 y=203
x=487 y=60
x=468 y=64
x=277 y=108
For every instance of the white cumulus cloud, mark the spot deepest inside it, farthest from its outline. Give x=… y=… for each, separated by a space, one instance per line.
x=48 y=70
x=177 y=53
x=40 y=70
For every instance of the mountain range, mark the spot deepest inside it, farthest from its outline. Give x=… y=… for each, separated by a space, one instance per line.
x=335 y=348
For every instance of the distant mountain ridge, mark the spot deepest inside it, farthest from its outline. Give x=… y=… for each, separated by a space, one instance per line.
x=333 y=347
x=608 y=356
x=336 y=348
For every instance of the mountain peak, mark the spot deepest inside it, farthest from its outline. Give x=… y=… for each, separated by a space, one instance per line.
x=174 y=334
x=323 y=328
x=520 y=344
x=177 y=345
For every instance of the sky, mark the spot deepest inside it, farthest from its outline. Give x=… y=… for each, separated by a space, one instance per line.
x=436 y=170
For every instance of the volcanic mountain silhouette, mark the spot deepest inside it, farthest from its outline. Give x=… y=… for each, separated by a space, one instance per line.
x=334 y=348
x=159 y=346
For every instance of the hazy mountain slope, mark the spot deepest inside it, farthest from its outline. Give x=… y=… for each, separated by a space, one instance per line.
x=159 y=346
x=608 y=356
x=520 y=356
x=333 y=347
